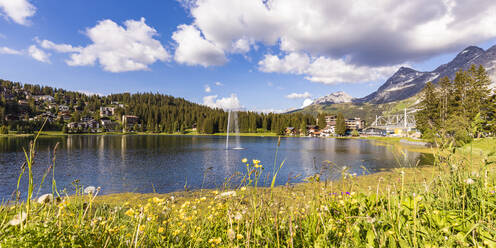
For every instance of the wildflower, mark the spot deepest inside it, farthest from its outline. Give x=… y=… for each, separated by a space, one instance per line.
x=142 y=228
x=238 y=216
x=89 y=190
x=228 y=194
x=46 y=198
x=469 y=181
x=129 y=212
x=243 y=188
x=255 y=162
x=157 y=200
x=244 y=160
x=217 y=240
x=160 y=230
x=18 y=219
x=231 y=234
x=239 y=236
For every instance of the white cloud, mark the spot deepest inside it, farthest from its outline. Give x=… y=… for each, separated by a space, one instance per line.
x=17 y=10
x=360 y=32
x=39 y=54
x=116 y=48
x=218 y=84
x=306 y=102
x=324 y=70
x=207 y=88
x=6 y=50
x=61 y=48
x=193 y=49
x=231 y=102
x=299 y=95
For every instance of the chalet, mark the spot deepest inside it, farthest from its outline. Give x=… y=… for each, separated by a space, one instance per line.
x=328 y=131
x=312 y=129
x=107 y=111
x=291 y=131
x=63 y=108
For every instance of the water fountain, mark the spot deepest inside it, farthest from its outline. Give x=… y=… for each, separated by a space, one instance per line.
x=236 y=130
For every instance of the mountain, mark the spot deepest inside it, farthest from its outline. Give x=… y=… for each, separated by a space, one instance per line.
x=407 y=82
x=336 y=97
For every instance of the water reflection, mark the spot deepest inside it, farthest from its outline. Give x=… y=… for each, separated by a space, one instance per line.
x=135 y=163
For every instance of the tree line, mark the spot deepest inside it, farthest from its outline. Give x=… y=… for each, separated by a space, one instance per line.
x=460 y=109
x=157 y=112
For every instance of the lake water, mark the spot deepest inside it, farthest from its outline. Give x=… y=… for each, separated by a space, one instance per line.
x=146 y=163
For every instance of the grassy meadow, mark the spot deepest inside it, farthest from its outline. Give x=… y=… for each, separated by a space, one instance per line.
x=449 y=204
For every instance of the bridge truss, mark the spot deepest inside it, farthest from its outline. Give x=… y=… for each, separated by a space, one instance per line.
x=391 y=122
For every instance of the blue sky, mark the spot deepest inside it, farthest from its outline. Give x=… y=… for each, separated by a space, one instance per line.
x=260 y=52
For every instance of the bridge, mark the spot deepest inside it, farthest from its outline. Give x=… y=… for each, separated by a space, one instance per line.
x=397 y=121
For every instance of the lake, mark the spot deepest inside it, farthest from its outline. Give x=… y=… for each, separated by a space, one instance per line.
x=160 y=163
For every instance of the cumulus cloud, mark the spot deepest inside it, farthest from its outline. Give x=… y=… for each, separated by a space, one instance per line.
x=231 y=102
x=207 y=88
x=324 y=70
x=116 y=48
x=361 y=32
x=218 y=84
x=299 y=95
x=193 y=49
x=61 y=48
x=6 y=50
x=38 y=54
x=306 y=102
x=17 y=10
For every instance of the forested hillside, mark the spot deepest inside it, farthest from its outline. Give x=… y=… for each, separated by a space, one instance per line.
x=23 y=107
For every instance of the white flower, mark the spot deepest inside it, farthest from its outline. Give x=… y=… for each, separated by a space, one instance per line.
x=89 y=190
x=227 y=194
x=238 y=216
x=18 y=219
x=469 y=181
x=46 y=198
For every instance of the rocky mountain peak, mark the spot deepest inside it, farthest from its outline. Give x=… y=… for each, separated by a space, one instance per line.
x=336 y=97
x=407 y=82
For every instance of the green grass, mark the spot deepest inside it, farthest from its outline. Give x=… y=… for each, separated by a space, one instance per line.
x=451 y=204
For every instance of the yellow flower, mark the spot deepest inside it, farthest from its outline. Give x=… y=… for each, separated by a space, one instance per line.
x=239 y=236
x=244 y=160
x=160 y=230
x=255 y=162
x=243 y=188
x=142 y=228
x=130 y=212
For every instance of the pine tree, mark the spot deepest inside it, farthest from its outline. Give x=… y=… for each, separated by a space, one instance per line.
x=427 y=118
x=340 y=128
x=321 y=121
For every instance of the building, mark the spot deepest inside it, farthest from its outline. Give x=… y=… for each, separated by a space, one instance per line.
x=129 y=120
x=63 y=108
x=45 y=98
x=331 y=120
x=291 y=131
x=107 y=111
x=355 y=124
x=328 y=131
